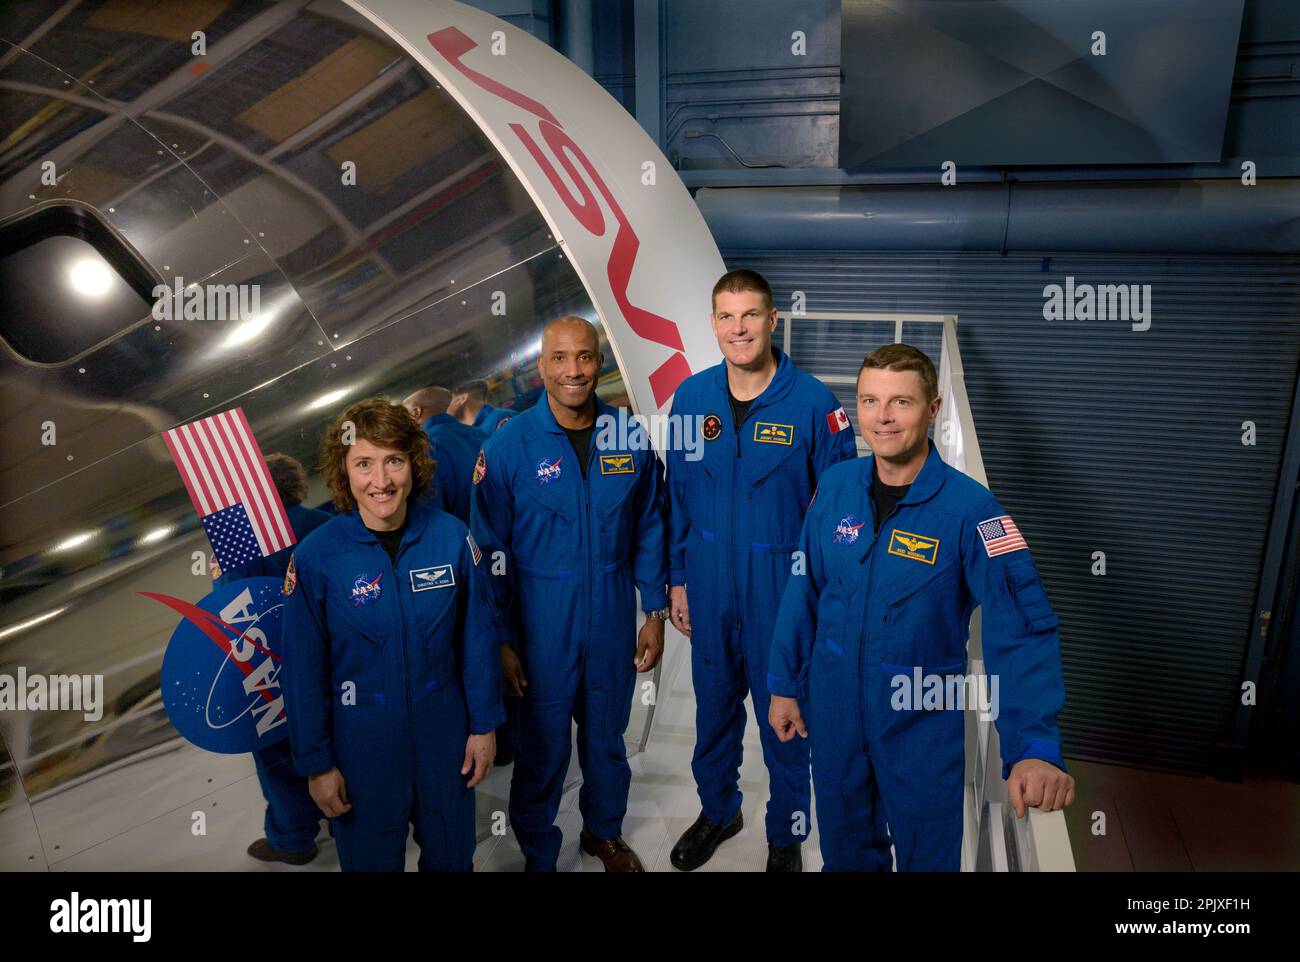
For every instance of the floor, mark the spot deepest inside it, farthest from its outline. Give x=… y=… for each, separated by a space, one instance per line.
x=1123 y=819
x=1133 y=820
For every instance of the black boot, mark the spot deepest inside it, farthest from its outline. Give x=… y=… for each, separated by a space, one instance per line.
x=700 y=841
x=785 y=858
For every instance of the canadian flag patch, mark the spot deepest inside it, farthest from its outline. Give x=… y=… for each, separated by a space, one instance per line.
x=837 y=420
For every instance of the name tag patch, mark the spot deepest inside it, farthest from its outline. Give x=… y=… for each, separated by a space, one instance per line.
x=769 y=433
x=438 y=576
x=617 y=464
x=917 y=547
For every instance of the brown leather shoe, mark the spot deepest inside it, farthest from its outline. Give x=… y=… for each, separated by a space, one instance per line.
x=614 y=853
x=262 y=851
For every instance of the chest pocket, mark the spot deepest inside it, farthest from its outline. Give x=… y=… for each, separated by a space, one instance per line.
x=555 y=498
x=358 y=606
x=917 y=590
x=762 y=462
x=432 y=591
x=611 y=491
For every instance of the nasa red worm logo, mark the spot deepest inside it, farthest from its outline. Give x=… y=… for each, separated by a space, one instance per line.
x=221 y=672
x=452 y=43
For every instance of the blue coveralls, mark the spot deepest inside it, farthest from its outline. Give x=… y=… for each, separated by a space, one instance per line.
x=734 y=517
x=574 y=551
x=454 y=446
x=489 y=418
x=387 y=671
x=292 y=817
x=870 y=611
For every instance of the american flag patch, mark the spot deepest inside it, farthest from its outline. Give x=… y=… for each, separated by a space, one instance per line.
x=1001 y=535
x=473 y=548
x=837 y=420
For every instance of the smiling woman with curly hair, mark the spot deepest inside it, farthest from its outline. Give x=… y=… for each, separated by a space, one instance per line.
x=391 y=668
x=378 y=423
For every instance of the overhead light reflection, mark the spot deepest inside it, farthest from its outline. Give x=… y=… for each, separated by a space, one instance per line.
x=31 y=622
x=156 y=535
x=325 y=400
x=90 y=277
x=76 y=541
x=247 y=331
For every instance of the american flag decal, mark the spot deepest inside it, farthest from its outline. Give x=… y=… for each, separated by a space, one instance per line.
x=1001 y=535
x=473 y=548
x=233 y=495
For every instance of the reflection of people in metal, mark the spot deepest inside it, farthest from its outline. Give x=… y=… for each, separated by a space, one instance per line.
x=392 y=677
x=470 y=406
x=769 y=431
x=580 y=528
x=872 y=610
x=452 y=445
x=292 y=818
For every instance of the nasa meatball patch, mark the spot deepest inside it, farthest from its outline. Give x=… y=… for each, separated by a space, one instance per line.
x=548 y=471
x=480 y=467
x=290 y=577
x=366 y=589
x=847 y=530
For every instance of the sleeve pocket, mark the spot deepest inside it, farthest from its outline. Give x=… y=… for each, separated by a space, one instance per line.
x=1026 y=589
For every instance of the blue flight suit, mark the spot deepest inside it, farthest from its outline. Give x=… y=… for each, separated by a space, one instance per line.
x=734 y=517
x=387 y=670
x=574 y=552
x=292 y=816
x=454 y=446
x=489 y=419
x=870 y=611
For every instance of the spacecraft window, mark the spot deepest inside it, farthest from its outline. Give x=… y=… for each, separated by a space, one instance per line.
x=68 y=282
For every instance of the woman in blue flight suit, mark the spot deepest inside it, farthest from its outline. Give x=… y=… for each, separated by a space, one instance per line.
x=392 y=671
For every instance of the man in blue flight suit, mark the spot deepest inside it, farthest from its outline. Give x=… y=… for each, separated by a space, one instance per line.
x=895 y=554
x=470 y=406
x=391 y=671
x=577 y=518
x=292 y=818
x=769 y=432
x=452 y=445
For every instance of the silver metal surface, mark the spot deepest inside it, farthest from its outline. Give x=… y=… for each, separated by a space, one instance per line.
x=226 y=169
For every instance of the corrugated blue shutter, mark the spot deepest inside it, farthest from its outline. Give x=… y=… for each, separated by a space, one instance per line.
x=1097 y=437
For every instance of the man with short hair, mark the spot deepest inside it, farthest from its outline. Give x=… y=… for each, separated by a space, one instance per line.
x=898 y=550
x=470 y=406
x=452 y=445
x=580 y=528
x=769 y=431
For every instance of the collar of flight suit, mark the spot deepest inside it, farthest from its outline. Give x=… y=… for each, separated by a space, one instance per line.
x=547 y=416
x=781 y=384
x=417 y=519
x=443 y=418
x=924 y=486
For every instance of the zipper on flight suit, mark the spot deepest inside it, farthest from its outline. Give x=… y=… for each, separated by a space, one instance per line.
x=406 y=666
x=866 y=594
x=586 y=523
x=729 y=547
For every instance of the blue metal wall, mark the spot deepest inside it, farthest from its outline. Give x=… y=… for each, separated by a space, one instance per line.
x=1099 y=438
